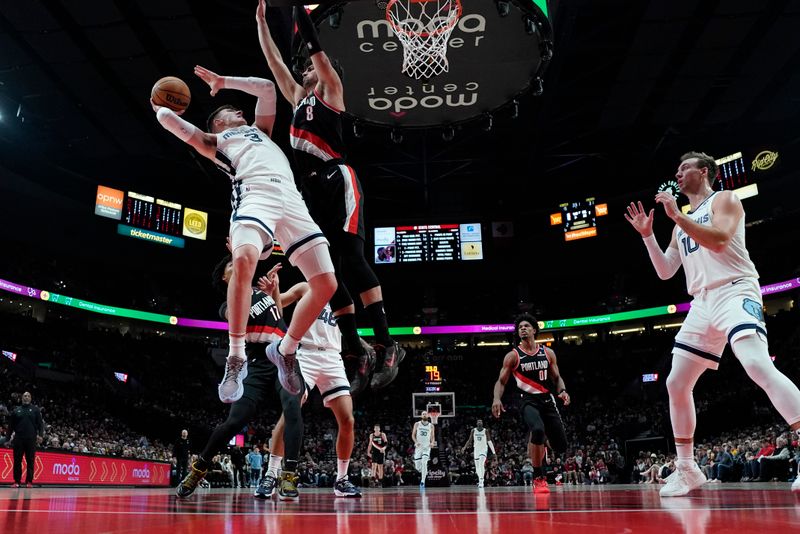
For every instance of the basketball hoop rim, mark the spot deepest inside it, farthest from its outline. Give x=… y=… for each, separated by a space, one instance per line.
x=410 y=33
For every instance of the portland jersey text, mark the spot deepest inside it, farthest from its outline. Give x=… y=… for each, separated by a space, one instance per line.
x=264 y=322
x=532 y=373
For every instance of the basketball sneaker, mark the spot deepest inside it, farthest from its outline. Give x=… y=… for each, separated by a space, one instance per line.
x=366 y=364
x=287 y=491
x=190 y=483
x=29 y=484
x=231 y=388
x=796 y=483
x=393 y=355
x=540 y=485
x=266 y=489
x=345 y=488
x=682 y=481
x=14 y=485
x=288 y=374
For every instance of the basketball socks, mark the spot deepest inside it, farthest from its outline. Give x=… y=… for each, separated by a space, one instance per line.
x=380 y=324
x=341 y=468
x=274 y=465
x=347 y=326
x=236 y=343
x=288 y=345
x=685 y=453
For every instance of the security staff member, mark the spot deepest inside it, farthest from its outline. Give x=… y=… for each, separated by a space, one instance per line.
x=26 y=431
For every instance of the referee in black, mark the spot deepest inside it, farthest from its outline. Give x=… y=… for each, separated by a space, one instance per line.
x=26 y=429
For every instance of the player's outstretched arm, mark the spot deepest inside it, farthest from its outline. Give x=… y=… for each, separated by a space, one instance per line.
x=509 y=362
x=329 y=84
x=469 y=440
x=294 y=293
x=728 y=212
x=489 y=442
x=561 y=388
x=414 y=434
x=204 y=143
x=290 y=89
x=667 y=262
x=259 y=87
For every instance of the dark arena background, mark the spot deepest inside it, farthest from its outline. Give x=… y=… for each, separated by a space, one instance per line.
x=495 y=188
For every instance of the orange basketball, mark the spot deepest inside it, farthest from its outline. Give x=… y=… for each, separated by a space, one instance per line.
x=172 y=93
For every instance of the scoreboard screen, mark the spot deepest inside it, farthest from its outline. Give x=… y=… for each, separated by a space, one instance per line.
x=432 y=379
x=579 y=219
x=428 y=243
x=158 y=215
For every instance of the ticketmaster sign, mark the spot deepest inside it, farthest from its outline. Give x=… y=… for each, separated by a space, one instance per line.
x=149 y=235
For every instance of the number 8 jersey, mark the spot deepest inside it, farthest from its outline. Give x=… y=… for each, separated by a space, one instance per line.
x=706 y=269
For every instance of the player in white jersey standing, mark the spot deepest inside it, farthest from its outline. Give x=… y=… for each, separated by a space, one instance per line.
x=481 y=442
x=726 y=307
x=322 y=367
x=266 y=206
x=423 y=436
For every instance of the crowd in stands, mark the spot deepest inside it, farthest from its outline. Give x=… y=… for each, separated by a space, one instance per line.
x=172 y=377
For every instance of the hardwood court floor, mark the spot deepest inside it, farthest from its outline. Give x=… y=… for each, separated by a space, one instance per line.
x=740 y=508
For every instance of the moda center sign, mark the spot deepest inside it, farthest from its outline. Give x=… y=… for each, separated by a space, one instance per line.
x=492 y=59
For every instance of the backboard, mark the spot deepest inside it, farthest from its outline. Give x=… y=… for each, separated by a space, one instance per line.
x=497 y=51
x=420 y=402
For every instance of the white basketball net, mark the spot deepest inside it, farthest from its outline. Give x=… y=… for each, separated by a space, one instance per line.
x=423 y=28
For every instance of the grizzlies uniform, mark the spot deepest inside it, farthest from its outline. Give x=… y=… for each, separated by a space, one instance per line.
x=264 y=194
x=320 y=359
x=727 y=299
x=537 y=404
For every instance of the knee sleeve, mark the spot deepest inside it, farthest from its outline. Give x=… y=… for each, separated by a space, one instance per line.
x=245 y=234
x=680 y=384
x=314 y=261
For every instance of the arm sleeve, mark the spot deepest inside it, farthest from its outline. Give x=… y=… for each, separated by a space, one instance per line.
x=307 y=30
x=178 y=127
x=666 y=263
x=261 y=87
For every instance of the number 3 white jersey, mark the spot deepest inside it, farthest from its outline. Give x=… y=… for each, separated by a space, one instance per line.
x=424 y=435
x=706 y=269
x=479 y=441
x=247 y=153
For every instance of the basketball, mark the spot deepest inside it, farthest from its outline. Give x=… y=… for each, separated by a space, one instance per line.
x=172 y=93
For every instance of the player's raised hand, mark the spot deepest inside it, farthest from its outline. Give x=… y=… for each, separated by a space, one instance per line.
x=497 y=408
x=156 y=107
x=670 y=204
x=213 y=79
x=641 y=221
x=564 y=396
x=261 y=10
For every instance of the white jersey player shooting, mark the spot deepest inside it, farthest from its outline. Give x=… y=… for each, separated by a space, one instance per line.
x=709 y=243
x=481 y=444
x=266 y=206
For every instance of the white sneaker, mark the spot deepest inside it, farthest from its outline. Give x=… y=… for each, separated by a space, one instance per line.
x=796 y=483
x=231 y=388
x=682 y=481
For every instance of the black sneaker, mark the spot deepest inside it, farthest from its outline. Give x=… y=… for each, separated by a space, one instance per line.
x=345 y=488
x=287 y=491
x=393 y=355
x=366 y=364
x=190 y=483
x=266 y=489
